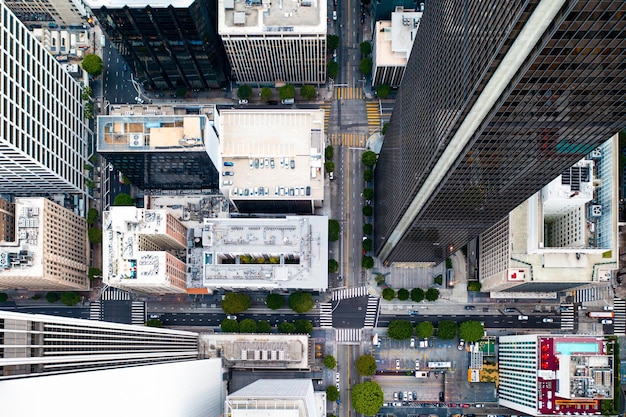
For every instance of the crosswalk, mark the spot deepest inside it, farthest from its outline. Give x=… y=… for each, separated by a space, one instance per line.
x=371 y=314
x=567 y=316
x=348 y=336
x=348 y=139
x=326 y=107
x=619 y=321
x=593 y=293
x=343 y=293
x=373 y=116
x=326 y=315
x=349 y=93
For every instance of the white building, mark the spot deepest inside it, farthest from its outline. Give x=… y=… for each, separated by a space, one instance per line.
x=273 y=42
x=393 y=42
x=44 y=12
x=43 y=145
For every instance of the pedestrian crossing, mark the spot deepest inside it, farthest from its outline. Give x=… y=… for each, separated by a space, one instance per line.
x=349 y=93
x=373 y=116
x=343 y=293
x=326 y=107
x=371 y=314
x=567 y=316
x=326 y=315
x=593 y=293
x=348 y=336
x=348 y=139
x=619 y=321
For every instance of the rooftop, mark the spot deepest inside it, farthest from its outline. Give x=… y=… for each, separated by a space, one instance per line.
x=394 y=38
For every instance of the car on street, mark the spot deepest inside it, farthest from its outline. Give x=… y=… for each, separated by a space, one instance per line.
x=397 y=363
x=547 y=320
x=522 y=317
x=243 y=101
x=228 y=173
x=400 y=395
x=606 y=321
x=229 y=164
x=509 y=310
x=607 y=308
x=336 y=376
x=461 y=344
x=272 y=163
x=334 y=14
x=231 y=317
x=228 y=182
x=470 y=307
x=417 y=364
x=414 y=395
x=479 y=405
x=292 y=164
x=331 y=175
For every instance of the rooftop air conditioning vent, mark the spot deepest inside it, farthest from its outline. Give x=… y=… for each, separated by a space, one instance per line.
x=596 y=210
x=136 y=140
x=596 y=153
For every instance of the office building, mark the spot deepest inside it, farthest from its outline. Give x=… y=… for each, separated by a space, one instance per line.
x=7 y=221
x=143 y=250
x=35 y=345
x=168 y=44
x=43 y=145
x=274 y=42
x=49 y=13
x=49 y=250
x=483 y=122
x=562 y=237
x=284 y=397
x=555 y=375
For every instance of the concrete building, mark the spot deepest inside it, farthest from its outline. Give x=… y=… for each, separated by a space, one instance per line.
x=564 y=236
x=488 y=112
x=49 y=250
x=143 y=250
x=555 y=375
x=393 y=42
x=35 y=345
x=43 y=137
x=274 y=42
x=283 y=397
x=276 y=159
x=49 y=13
x=7 y=221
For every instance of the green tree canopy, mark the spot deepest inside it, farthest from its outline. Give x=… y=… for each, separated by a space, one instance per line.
x=332 y=393
x=473 y=286
x=330 y=362
x=471 y=331
x=95 y=235
x=3 y=297
x=367 y=229
x=432 y=294
x=274 y=301
x=368 y=193
x=424 y=329
x=287 y=91
x=417 y=295
x=369 y=158
x=366 y=244
x=92 y=216
x=384 y=129
x=263 y=326
x=244 y=92
x=368 y=210
x=94 y=272
x=367 y=262
x=367 y=398
x=382 y=91
x=403 y=294
x=301 y=301
x=87 y=92
x=333 y=265
x=52 y=297
x=181 y=91
x=92 y=64
x=247 y=326
x=308 y=92
x=389 y=294
x=447 y=329
x=266 y=94
x=400 y=329
x=329 y=152
x=230 y=326
x=303 y=326
x=70 y=298
x=366 y=48
x=334 y=228
x=366 y=66
x=235 y=302
x=332 y=42
x=154 y=323
x=123 y=200
x=329 y=166
x=286 y=327
x=332 y=69
x=366 y=365
x=368 y=175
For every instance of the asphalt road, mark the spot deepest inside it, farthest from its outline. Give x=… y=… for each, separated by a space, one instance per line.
x=53 y=310
x=508 y=321
x=118 y=88
x=215 y=318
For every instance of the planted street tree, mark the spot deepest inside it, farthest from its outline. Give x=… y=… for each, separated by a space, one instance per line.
x=366 y=365
x=432 y=294
x=333 y=266
x=92 y=216
x=366 y=49
x=329 y=166
x=367 y=398
x=244 y=92
x=400 y=329
x=330 y=362
x=369 y=158
x=382 y=91
x=332 y=42
x=334 y=228
x=286 y=327
x=301 y=302
x=70 y=298
x=287 y=91
x=368 y=193
x=367 y=229
x=303 y=326
x=368 y=210
x=52 y=297
x=123 y=200
x=332 y=393
x=384 y=129
x=229 y=326
x=367 y=244
x=417 y=295
x=266 y=94
x=3 y=297
x=424 y=329
x=367 y=262
x=368 y=175
x=471 y=331
x=263 y=326
x=92 y=64
x=235 y=302
x=95 y=235
x=332 y=69
x=403 y=294
x=389 y=294
x=308 y=92
x=366 y=66
x=329 y=152
x=473 y=286
x=274 y=301
x=447 y=329
x=154 y=323
x=247 y=326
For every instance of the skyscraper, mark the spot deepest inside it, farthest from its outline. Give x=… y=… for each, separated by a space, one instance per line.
x=500 y=99
x=43 y=145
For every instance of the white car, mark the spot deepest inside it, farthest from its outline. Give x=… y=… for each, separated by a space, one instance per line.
x=607 y=321
x=522 y=317
x=461 y=344
x=547 y=320
x=397 y=363
x=243 y=101
x=417 y=364
x=608 y=308
x=337 y=377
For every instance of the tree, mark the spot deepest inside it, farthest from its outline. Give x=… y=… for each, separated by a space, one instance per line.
x=181 y=91
x=447 y=329
x=52 y=297
x=287 y=91
x=367 y=229
x=403 y=294
x=244 y=92
x=92 y=216
x=230 y=326
x=70 y=298
x=389 y=294
x=329 y=166
x=247 y=326
x=382 y=91
x=329 y=152
x=368 y=193
x=432 y=294
x=334 y=228
x=123 y=200
x=366 y=365
x=92 y=64
x=266 y=94
x=417 y=295
x=400 y=329
x=473 y=286
x=368 y=210
x=94 y=272
x=286 y=327
x=367 y=398
x=3 y=297
x=308 y=92
x=330 y=362
x=333 y=266
x=471 y=331
x=366 y=48
x=154 y=323
x=424 y=329
x=366 y=66
x=367 y=244
x=332 y=69
x=332 y=393
x=369 y=158
x=368 y=175
x=235 y=302
x=367 y=262
x=95 y=235
x=303 y=326
x=263 y=326
x=384 y=129
x=274 y=301
x=332 y=42
x=86 y=94
x=301 y=301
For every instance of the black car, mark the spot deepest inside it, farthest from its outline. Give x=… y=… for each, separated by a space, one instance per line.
x=470 y=307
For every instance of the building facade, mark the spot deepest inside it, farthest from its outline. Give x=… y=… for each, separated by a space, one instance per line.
x=167 y=45
x=36 y=345
x=49 y=250
x=7 y=221
x=43 y=137
x=52 y=13
x=483 y=122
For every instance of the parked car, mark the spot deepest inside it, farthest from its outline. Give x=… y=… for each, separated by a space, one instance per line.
x=509 y=310
x=229 y=164
x=461 y=344
x=397 y=363
x=272 y=163
x=228 y=173
x=470 y=307
x=336 y=376
x=231 y=317
x=292 y=164
x=607 y=321
x=522 y=317
x=243 y=101
x=228 y=182
x=417 y=365
x=607 y=308
x=331 y=175
x=547 y=320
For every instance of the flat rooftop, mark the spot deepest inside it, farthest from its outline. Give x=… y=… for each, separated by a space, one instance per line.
x=394 y=38
x=24 y=256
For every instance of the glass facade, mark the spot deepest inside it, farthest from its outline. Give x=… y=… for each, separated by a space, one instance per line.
x=564 y=99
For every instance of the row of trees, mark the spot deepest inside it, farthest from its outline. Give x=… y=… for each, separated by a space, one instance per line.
x=329 y=165
x=307 y=92
x=417 y=295
x=263 y=326
x=237 y=302
x=68 y=298
x=369 y=160
x=470 y=331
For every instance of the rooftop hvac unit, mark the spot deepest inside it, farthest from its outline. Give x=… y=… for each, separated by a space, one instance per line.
x=136 y=140
x=596 y=210
x=596 y=153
